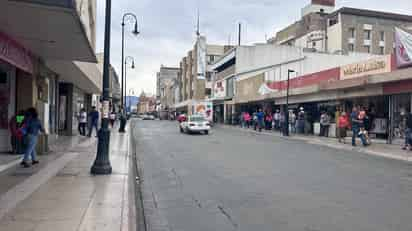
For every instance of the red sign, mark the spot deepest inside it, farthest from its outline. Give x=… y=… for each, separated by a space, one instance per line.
x=15 y=54
x=324 y=2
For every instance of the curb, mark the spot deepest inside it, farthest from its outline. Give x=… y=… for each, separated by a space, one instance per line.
x=334 y=146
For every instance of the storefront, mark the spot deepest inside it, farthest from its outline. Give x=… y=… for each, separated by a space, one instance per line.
x=7 y=102
x=71 y=101
x=14 y=59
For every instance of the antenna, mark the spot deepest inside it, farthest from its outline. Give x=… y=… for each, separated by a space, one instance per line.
x=240 y=33
x=198 y=23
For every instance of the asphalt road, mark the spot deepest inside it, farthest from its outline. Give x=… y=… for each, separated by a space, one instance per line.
x=233 y=180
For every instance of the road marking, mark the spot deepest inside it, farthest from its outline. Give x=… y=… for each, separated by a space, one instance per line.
x=9 y=165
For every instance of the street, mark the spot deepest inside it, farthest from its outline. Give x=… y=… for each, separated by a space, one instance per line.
x=232 y=180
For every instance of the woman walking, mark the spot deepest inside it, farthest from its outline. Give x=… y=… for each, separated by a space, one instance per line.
x=32 y=129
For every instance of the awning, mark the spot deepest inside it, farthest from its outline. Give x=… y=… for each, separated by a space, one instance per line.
x=85 y=76
x=50 y=30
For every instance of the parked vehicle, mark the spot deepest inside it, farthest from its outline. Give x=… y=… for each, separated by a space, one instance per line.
x=195 y=123
x=148 y=117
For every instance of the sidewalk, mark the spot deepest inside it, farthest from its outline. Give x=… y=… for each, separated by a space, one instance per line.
x=62 y=195
x=376 y=149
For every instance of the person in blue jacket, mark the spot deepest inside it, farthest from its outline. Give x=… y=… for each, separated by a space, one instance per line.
x=94 y=121
x=32 y=128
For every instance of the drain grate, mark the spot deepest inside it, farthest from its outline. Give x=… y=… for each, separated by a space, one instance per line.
x=21 y=174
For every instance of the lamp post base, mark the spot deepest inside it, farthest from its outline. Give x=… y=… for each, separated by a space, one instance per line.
x=101 y=165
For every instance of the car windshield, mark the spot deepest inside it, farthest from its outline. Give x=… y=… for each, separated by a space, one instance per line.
x=197 y=119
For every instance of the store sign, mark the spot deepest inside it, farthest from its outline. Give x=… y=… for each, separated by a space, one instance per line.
x=403 y=47
x=220 y=89
x=370 y=67
x=15 y=54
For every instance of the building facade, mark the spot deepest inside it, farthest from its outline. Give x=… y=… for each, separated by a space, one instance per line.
x=346 y=30
x=37 y=66
x=195 y=80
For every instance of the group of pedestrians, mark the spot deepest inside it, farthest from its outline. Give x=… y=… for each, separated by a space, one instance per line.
x=90 y=121
x=260 y=120
x=25 y=128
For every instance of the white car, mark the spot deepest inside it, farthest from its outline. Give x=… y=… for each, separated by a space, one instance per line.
x=195 y=123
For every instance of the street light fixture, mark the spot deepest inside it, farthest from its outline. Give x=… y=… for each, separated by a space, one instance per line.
x=127 y=19
x=286 y=110
x=101 y=165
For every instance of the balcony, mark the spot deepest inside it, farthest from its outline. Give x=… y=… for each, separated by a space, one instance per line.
x=52 y=29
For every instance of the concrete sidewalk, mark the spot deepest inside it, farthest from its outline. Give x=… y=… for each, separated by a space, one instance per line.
x=376 y=149
x=64 y=196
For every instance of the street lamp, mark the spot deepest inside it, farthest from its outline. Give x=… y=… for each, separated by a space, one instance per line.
x=286 y=110
x=101 y=165
x=128 y=58
x=135 y=32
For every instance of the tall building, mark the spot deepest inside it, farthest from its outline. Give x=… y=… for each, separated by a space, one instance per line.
x=322 y=28
x=167 y=83
x=196 y=72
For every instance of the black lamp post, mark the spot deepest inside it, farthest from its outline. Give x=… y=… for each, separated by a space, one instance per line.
x=101 y=165
x=286 y=110
x=135 y=32
x=128 y=58
x=123 y=90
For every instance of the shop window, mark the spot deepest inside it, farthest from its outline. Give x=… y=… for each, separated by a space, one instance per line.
x=3 y=77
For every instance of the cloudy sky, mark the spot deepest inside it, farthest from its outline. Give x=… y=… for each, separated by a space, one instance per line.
x=168 y=27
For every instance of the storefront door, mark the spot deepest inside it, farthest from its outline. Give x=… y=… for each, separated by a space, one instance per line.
x=400 y=109
x=7 y=103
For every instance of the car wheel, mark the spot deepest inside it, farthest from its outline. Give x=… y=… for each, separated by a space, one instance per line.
x=206 y=132
x=181 y=130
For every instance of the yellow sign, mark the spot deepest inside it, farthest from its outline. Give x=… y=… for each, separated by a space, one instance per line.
x=370 y=67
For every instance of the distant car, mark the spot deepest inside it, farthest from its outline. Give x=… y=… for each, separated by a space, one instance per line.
x=148 y=117
x=195 y=123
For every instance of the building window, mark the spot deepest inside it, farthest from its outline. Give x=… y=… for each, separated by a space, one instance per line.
x=208 y=76
x=381 y=50
x=351 y=47
x=368 y=49
x=382 y=35
x=367 y=34
x=208 y=91
x=313 y=44
x=352 y=32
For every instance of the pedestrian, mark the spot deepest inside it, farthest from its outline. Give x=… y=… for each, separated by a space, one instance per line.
x=94 y=120
x=247 y=118
x=343 y=125
x=276 y=118
x=82 y=122
x=32 y=128
x=363 y=125
x=112 y=118
x=292 y=121
x=282 y=124
x=268 y=121
x=408 y=133
x=255 y=120
x=356 y=125
x=324 y=124
x=260 y=117
x=301 y=121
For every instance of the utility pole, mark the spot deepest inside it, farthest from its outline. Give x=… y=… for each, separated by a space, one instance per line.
x=101 y=165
